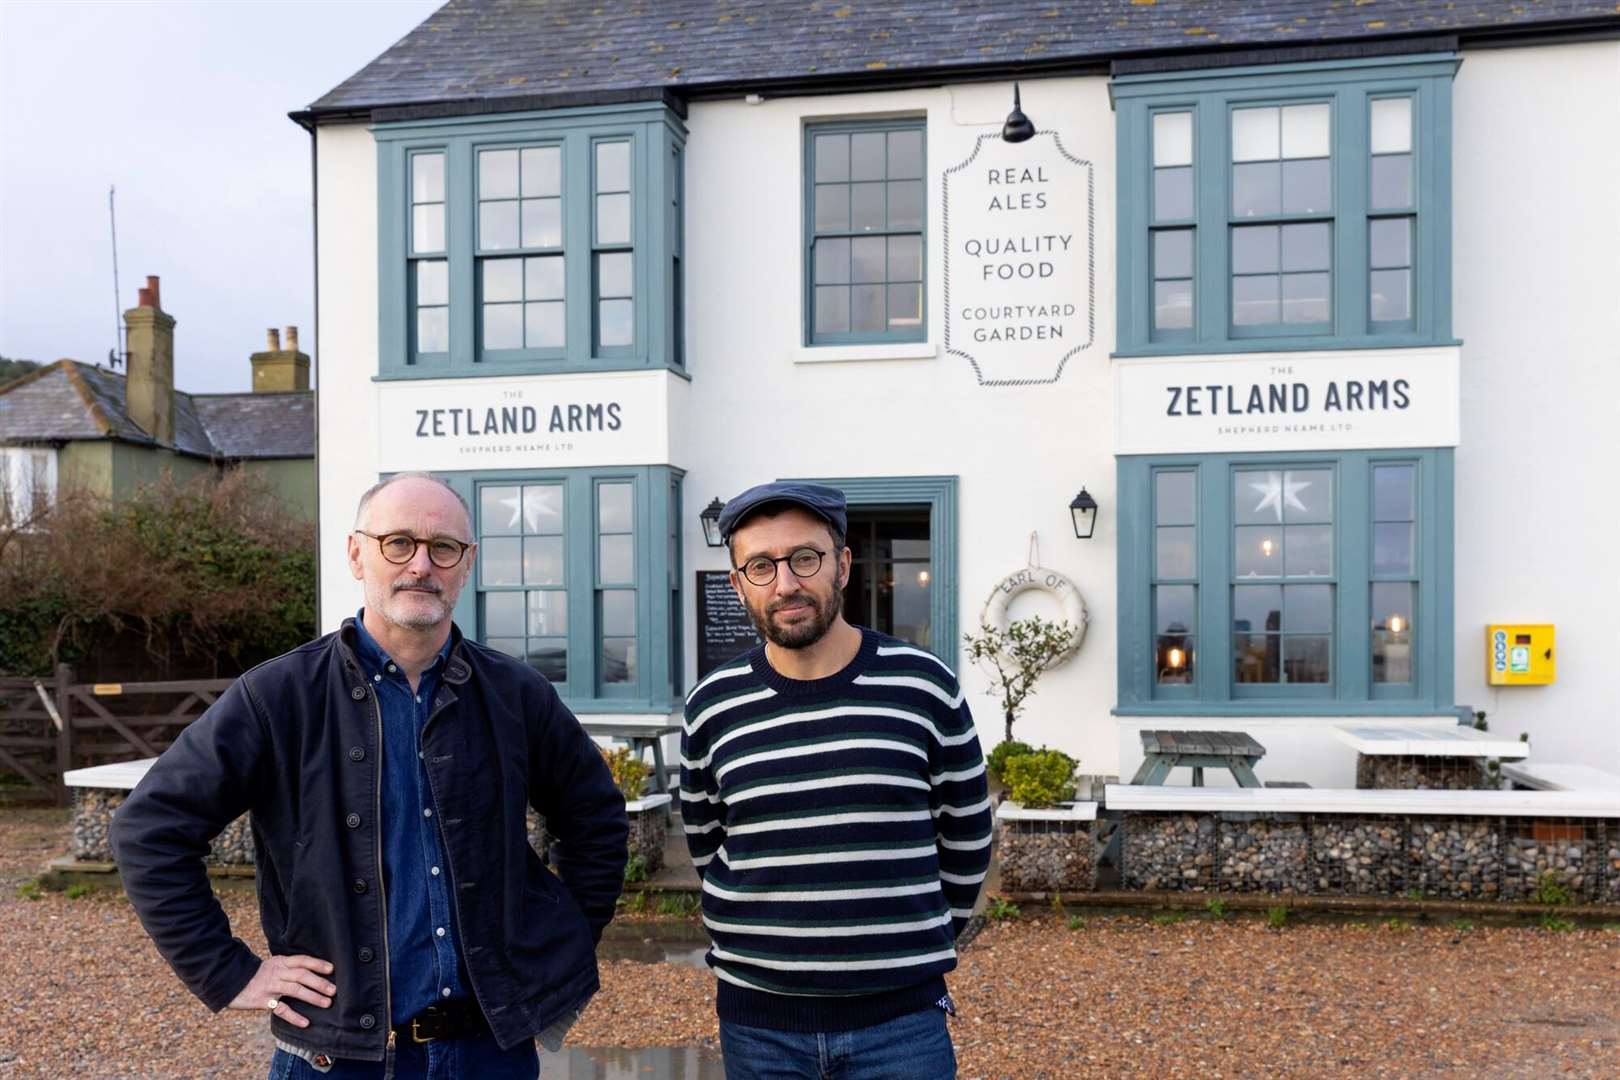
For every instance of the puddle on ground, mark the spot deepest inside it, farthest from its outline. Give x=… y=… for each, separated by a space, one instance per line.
x=653 y=950
x=647 y=1063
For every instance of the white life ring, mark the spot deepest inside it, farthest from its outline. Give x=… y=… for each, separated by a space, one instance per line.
x=1054 y=584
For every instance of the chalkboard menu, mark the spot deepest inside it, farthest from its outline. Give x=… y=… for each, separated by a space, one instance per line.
x=723 y=628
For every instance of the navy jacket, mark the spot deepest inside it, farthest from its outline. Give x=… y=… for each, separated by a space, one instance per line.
x=297 y=741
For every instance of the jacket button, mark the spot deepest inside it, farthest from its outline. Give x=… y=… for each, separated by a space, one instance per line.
x=368 y=1021
x=366 y=954
x=357 y=753
x=359 y=885
x=352 y=821
x=358 y=693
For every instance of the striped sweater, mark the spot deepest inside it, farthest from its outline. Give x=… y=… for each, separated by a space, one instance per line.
x=842 y=830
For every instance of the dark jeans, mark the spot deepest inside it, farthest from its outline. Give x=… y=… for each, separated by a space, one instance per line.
x=911 y=1047
x=473 y=1058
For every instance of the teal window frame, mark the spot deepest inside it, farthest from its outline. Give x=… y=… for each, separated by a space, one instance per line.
x=656 y=135
x=939 y=495
x=1349 y=87
x=656 y=509
x=856 y=127
x=1213 y=691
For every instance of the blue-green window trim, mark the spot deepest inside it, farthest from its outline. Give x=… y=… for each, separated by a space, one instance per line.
x=657 y=491
x=1349 y=86
x=1353 y=692
x=938 y=493
x=656 y=136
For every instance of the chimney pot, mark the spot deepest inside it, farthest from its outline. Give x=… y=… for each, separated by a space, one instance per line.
x=292 y=339
x=272 y=339
x=150 y=295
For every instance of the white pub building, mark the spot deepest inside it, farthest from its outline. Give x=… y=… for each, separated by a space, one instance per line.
x=1319 y=304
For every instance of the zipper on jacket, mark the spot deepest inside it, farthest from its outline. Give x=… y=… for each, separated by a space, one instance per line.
x=382 y=883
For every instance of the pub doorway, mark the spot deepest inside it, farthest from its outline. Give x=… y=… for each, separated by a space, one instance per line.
x=892 y=575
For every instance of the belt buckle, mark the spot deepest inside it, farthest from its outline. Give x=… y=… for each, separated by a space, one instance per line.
x=418 y=1039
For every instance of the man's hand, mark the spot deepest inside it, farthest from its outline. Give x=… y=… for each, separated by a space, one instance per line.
x=283 y=977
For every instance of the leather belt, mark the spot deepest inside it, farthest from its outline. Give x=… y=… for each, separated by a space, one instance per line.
x=446 y=1020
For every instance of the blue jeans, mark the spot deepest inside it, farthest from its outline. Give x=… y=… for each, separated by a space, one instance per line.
x=911 y=1047
x=474 y=1058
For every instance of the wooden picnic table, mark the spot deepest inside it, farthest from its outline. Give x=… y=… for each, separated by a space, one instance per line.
x=1234 y=751
x=640 y=736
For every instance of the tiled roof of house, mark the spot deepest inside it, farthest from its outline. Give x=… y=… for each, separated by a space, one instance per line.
x=486 y=50
x=68 y=401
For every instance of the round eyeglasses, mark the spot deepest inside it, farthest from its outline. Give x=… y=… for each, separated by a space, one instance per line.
x=805 y=562
x=400 y=548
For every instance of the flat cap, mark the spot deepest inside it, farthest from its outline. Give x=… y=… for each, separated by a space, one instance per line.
x=825 y=502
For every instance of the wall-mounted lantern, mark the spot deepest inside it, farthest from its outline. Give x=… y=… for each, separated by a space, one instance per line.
x=1084 y=512
x=1018 y=128
x=711 y=523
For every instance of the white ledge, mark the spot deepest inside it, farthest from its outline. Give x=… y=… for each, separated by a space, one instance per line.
x=646 y=802
x=836 y=354
x=1428 y=742
x=1554 y=776
x=1072 y=811
x=120 y=776
x=1364 y=801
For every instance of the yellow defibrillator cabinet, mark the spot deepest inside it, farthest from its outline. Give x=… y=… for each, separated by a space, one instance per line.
x=1519 y=654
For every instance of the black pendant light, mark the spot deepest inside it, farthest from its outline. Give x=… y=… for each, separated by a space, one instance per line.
x=1017 y=129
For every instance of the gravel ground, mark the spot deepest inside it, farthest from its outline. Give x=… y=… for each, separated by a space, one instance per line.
x=1116 y=997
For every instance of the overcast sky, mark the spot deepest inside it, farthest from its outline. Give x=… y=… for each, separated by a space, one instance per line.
x=183 y=106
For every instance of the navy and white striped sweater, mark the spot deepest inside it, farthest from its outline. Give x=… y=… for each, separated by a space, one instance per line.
x=842 y=829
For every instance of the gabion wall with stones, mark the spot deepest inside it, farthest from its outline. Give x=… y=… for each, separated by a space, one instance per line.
x=648 y=831
x=1611 y=867
x=1358 y=856
x=92 y=817
x=1168 y=851
x=1047 y=856
x=1456 y=858
x=1423 y=772
x=1263 y=853
x=1552 y=854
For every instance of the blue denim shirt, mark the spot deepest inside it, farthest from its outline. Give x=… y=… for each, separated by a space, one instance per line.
x=424 y=958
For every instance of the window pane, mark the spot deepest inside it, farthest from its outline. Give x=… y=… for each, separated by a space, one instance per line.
x=832 y=309
x=543 y=278
x=500 y=559
x=1307 y=659
x=832 y=208
x=867 y=262
x=1256 y=497
x=1394 y=492
x=542 y=561
x=1306 y=247
x=1175 y=608
x=1392 y=609
x=509 y=646
x=614 y=322
x=613 y=219
x=905 y=258
x=615 y=558
x=1256 y=607
x=503 y=279
x=497 y=226
x=1392 y=126
x=619 y=660
x=1255 y=249
x=1389 y=242
x=544 y=325
x=832 y=158
x=905 y=155
x=867 y=155
x=542 y=171
x=1393 y=544
x=1390 y=293
x=866 y=309
x=1257 y=551
x=433 y=330
x=906 y=204
x=613 y=166
x=1305 y=131
x=1307 y=186
x=427 y=178
x=503 y=614
x=432 y=282
x=1308 y=551
x=619 y=612
x=542 y=223
x=1174 y=498
x=1256 y=658
x=543 y=509
x=503 y=326
x=615 y=507
x=1392 y=182
x=1255 y=301
x=1172 y=253
x=548 y=613
x=1307 y=495
x=1172 y=305
x=1172 y=194
x=500 y=511
x=1255 y=134
x=427 y=228
x=1172 y=138
x=1308 y=607
x=614 y=274
x=1256 y=189
x=549 y=656
x=905 y=306
x=498 y=174
x=832 y=261
x=1177 y=552
x=866 y=207
x=1305 y=298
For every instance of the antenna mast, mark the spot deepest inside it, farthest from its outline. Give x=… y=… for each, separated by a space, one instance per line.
x=115 y=355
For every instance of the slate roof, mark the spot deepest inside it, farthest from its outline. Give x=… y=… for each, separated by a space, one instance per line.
x=487 y=50
x=68 y=401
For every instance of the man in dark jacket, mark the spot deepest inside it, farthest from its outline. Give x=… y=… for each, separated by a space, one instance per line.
x=388 y=768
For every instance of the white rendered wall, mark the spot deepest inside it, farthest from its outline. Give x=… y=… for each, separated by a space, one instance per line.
x=1537 y=292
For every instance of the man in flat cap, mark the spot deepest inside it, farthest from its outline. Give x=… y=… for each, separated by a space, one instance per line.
x=834 y=799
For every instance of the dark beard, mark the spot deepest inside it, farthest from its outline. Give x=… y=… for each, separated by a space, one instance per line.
x=804 y=634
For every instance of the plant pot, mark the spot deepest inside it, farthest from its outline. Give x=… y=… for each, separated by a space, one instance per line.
x=1047 y=850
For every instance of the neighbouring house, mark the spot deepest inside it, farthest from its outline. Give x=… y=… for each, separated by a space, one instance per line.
x=1315 y=300
x=71 y=425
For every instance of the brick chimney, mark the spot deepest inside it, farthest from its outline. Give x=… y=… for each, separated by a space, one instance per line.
x=150 y=382
x=278 y=369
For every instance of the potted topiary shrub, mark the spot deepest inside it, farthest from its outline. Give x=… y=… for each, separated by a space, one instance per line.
x=1046 y=841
